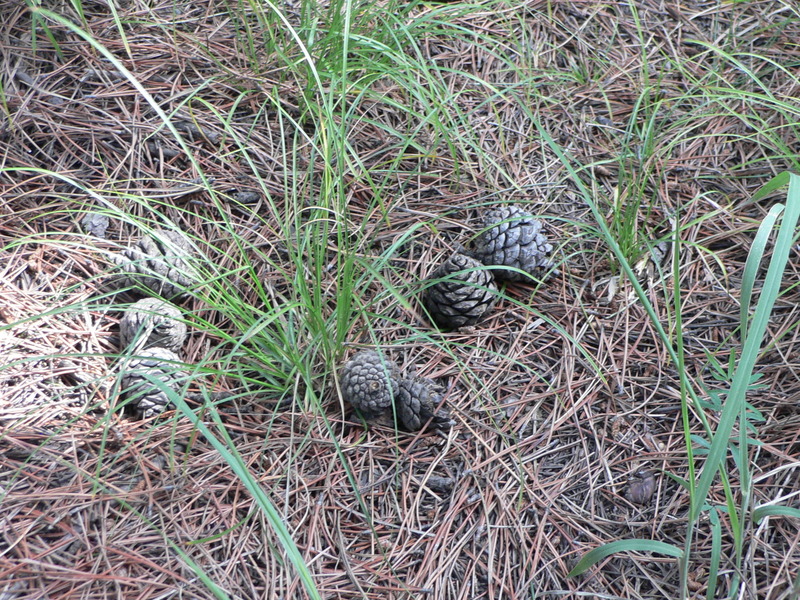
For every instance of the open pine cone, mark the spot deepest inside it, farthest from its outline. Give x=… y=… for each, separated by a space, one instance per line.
x=152 y=322
x=464 y=295
x=157 y=363
x=512 y=237
x=159 y=262
x=369 y=382
x=416 y=402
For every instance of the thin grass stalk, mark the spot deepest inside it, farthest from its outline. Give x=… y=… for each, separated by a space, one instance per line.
x=720 y=438
x=735 y=404
x=228 y=451
x=273 y=516
x=686 y=393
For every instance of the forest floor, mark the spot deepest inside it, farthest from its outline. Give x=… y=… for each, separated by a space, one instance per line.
x=326 y=166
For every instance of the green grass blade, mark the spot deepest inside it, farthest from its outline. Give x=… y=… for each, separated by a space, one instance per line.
x=234 y=460
x=716 y=553
x=775 y=510
x=595 y=556
x=735 y=401
x=780 y=180
x=753 y=263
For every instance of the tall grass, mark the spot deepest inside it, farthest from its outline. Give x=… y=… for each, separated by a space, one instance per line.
x=734 y=414
x=291 y=345
x=718 y=455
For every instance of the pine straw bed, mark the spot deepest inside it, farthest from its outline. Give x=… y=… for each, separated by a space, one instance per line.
x=538 y=467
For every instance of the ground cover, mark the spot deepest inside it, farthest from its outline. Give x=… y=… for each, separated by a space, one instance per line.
x=324 y=159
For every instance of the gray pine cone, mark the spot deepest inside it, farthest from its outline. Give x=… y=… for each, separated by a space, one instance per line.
x=152 y=322
x=157 y=363
x=159 y=262
x=464 y=294
x=512 y=237
x=416 y=401
x=369 y=383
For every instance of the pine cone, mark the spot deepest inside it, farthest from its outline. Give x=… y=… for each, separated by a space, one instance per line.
x=157 y=363
x=152 y=322
x=416 y=401
x=160 y=263
x=463 y=296
x=641 y=487
x=369 y=383
x=512 y=238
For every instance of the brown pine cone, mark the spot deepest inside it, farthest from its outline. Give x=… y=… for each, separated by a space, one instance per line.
x=641 y=487
x=464 y=294
x=369 y=383
x=160 y=364
x=416 y=402
x=512 y=237
x=152 y=322
x=160 y=263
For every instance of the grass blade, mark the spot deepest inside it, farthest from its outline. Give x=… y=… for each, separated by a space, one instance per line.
x=595 y=556
x=735 y=402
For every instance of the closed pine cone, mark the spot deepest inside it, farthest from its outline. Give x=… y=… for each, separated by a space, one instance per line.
x=157 y=363
x=512 y=237
x=464 y=295
x=369 y=383
x=152 y=322
x=160 y=263
x=416 y=402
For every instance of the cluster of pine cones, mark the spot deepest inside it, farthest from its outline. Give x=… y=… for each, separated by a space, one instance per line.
x=375 y=387
x=152 y=330
x=510 y=247
x=462 y=291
